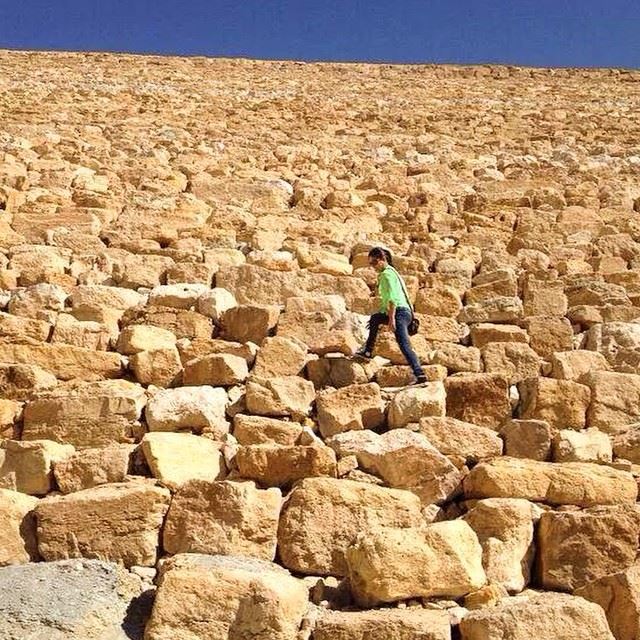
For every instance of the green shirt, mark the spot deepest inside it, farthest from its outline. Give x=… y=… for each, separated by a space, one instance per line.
x=390 y=290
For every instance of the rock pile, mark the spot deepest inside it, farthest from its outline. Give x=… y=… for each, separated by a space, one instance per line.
x=189 y=449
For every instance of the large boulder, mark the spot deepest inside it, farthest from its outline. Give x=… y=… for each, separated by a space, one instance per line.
x=404 y=460
x=409 y=405
x=86 y=415
x=18 y=541
x=118 y=522
x=222 y=597
x=383 y=624
x=323 y=516
x=176 y=458
x=281 y=396
x=28 y=465
x=562 y=404
x=552 y=616
x=198 y=409
x=615 y=400
x=505 y=529
x=229 y=518
x=90 y=467
x=93 y=600
x=575 y=547
x=619 y=595
x=479 y=398
x=442 y=559
x=579 y=483
x=458 y=438
x=358 y=406
x=274 y=465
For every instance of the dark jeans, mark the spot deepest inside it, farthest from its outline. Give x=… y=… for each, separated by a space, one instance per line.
x=403 y=318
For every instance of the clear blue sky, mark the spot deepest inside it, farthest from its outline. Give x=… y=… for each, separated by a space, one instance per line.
x=528 y=32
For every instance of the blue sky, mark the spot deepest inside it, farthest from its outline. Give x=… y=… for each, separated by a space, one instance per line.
x=585 y=33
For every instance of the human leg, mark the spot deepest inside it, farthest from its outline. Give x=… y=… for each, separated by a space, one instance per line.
x=375 y=321
x=403 y=318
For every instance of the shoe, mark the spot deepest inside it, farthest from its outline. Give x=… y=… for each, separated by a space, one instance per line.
x=421 y=380
x=363 y=353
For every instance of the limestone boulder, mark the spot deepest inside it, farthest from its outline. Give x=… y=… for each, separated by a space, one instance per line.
x=353 y=407
x=322 y=331
x=22 y=382
x=18 y=542
x=28 y=465
x=181 y=295
x=615 y=400
x=483 y=334
x=458 y=438
x=176 y=458
x=383 y=624
x=339 y=371
x=86 y=415
x=442 y=559
x=562 y=404
x=140 y=337
x=572 y=365
x=281 y=396
x=505 y=529
x=590 y=445
x=93 y=466
x=576 y=547
x=626 y=444
x=515 y=360
x=548 y=334
x=412 y=404
x=249 y=429
x=527 y=439
x=160 y=367
x=579 y=483
x=237 y=597
x=407 y=460
x=249 y=322
x=65 y=362
x=618 y=342
x=198 y=409
x=214 y=302
x=280 y=356
x=323 y=516
x=273 y=465
x=216 y=369
x=118 y=522
x=481 y=399
x=617 y=594
x=556 y=616
x=228 y=518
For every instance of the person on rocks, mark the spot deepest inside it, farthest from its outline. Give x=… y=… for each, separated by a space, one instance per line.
x=395 y=311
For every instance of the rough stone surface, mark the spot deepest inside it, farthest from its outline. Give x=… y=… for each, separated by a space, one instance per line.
x=119 y=522
x=443 y=559
x=323 y=516
x=94 y=600
x=236 y=598
x=229 y=518
x=555 y=616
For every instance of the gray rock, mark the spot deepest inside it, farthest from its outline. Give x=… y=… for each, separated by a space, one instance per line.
x=72 y=600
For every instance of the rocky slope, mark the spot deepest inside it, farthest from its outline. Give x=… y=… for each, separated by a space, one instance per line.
x=189 y=450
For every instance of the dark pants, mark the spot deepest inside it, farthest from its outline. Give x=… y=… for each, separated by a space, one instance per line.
x=403 y=318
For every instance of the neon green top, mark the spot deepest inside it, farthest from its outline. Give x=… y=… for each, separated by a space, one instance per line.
x=390 y=290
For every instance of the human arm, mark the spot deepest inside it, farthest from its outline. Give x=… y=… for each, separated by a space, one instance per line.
x=391 y=312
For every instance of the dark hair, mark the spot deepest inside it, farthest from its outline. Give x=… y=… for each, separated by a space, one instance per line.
x=381 y=254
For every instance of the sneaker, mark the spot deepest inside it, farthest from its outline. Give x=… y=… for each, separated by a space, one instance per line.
x=363 y=353
x=420 y=380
